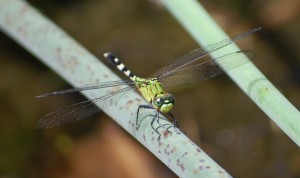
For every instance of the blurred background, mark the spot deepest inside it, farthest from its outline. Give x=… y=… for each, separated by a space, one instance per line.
x=218 y=116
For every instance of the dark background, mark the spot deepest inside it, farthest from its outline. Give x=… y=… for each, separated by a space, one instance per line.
x=216 y=114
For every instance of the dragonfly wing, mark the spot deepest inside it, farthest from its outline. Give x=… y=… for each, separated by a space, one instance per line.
x=98 y=85
x=206 y=69
x=200 y=53
x=79 y=111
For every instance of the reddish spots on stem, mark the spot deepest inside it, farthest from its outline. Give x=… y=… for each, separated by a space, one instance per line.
x=165 y=134
x=128 y=104
x=73 y=61
x=184 y=154
x=267 y=89
x=165 y=151
x=144 y=137
x=159 y=143
x=173 y=149
x=180 y=165
x=58 y=50
x=196 y=171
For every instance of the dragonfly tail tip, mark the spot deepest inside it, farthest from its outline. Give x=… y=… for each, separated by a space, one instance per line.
x=107 y=54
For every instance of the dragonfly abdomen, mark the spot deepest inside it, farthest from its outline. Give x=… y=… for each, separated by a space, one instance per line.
x=120 y=65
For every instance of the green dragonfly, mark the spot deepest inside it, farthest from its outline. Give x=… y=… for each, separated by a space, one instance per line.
x=182 y=72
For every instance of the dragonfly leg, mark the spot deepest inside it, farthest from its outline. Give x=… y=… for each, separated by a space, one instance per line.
x=175 y=123
x=163 y=118
x=156 y=130
x=138 y=123
x=156 y=116
x=169 y=126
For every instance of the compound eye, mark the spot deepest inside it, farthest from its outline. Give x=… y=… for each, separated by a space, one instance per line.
x=158 y=102
x=171 y=99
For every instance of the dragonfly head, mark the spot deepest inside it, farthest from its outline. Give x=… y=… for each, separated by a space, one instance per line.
x=163 y=102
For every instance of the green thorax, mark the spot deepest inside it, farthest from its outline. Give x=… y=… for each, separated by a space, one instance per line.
x=149 y=88
x=152 y=90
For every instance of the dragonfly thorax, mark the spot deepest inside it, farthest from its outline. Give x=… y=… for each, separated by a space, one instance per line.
x=153 y=91
x=164 y=102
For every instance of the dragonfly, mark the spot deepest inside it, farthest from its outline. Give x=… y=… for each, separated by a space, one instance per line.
x=185 y=70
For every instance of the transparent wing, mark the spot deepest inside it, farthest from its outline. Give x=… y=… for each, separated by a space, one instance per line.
x=89 y=87
x=205 y=69
x=199 y=53
x=79 y=111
